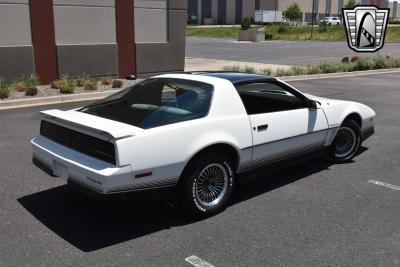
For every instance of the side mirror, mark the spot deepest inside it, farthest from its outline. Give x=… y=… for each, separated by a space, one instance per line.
x=130 y=77
x=312 y=104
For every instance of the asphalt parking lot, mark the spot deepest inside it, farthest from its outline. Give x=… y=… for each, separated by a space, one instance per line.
x=313 y=214
x=275 y=52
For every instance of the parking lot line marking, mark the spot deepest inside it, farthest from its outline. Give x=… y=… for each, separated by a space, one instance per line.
x=196 y=261
x=395 y=187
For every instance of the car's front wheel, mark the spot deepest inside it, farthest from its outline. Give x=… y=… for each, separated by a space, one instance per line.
x=347 y=141
x=208 y=184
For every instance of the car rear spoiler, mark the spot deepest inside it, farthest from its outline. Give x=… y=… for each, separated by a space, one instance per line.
x=100 y=125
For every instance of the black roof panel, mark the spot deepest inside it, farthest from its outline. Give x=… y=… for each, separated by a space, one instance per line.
x=236 y=77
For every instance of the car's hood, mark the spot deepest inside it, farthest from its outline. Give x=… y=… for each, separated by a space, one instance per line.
x=325 y=101
x=94 y=123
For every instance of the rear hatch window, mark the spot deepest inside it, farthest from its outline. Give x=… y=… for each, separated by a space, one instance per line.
x=155 y=102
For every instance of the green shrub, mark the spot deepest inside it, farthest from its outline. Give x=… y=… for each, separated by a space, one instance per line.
x=266 y=71
x=394 y=63
x=363 y=63
x=280 y=72
x=268 y=36
x=283 y=28
x=323 y=26
x=332 y=67
x=313 y=69
x=298 y=70
x=246 y=23
x=249 y=69
x=31 y=91
x=5 y=88
x=380 y=63
x=235 y=68
x=33 y=80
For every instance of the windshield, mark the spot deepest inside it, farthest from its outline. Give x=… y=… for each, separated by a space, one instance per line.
x=155 y=102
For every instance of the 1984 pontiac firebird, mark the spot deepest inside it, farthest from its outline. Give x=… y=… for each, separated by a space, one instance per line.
x=191 y=135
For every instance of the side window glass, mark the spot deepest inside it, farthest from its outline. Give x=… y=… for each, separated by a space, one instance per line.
x=261 y=98
x=168 y=96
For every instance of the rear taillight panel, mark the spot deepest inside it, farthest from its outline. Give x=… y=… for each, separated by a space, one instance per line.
x=78 y=141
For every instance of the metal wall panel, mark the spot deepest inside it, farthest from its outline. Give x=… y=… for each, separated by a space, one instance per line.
x=151 y=25
x=97 y=60
x=16 y=61
x=84 y=25
x=164 y=57
x=15 y=26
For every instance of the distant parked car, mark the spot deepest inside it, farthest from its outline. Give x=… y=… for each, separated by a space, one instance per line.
x=189 y=135
x=331 y=20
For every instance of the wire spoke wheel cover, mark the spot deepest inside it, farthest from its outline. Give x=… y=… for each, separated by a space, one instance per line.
x=211 y=185
x=346 y=142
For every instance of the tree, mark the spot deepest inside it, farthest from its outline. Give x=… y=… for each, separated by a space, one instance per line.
x=350 y=4
x=246 y=23
x=293 y=12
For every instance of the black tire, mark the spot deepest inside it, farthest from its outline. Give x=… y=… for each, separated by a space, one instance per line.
x=192 y=181
x=347 y=142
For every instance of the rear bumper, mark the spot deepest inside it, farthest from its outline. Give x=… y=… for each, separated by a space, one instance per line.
x=365 y=134
x=91 y=176
x=69 y=164
x=156 y=193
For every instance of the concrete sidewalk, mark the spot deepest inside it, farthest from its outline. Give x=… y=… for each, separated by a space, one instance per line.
x=205 y=64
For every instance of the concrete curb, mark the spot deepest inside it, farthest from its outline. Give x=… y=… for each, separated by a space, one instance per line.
x=39 y=101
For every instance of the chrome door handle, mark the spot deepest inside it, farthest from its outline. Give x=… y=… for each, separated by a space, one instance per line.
x=262 y=127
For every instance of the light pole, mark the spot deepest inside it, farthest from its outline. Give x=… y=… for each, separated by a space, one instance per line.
x=312 y=19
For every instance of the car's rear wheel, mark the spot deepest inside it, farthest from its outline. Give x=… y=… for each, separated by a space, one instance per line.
x=208 y=184
x=347 y=141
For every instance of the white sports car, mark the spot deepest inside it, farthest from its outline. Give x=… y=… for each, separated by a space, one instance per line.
x=190 y=135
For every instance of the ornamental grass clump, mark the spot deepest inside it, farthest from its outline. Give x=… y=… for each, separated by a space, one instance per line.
x=66 y=84
x=23 y=83
x=91 y=85
x=107 y=81
x=82 y=79
x=5 y=88
x=54 y=85
x=20 y=86
x=117 y=84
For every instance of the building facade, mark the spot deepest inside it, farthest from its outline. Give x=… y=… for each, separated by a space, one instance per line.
x=233 y=11
x=98 y=37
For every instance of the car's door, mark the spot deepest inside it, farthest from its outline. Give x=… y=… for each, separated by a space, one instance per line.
x=283 y=124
